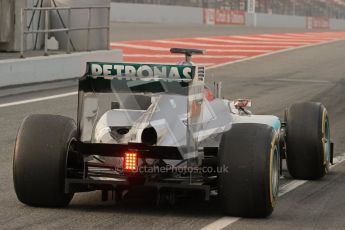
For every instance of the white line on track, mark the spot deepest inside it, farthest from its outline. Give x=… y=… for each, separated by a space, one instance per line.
x=313 y=35
x=297 y=36
x=302 y=80
x=303 y=39
x=275 y=52
x=187 y=43
x=221 y=223
x=155 y=48
x=251 y=38
x=290 y=186
x=327 y=33
x=38 y=99
x=227 y=50
x=172 y=63
x=273 y=40
x=179 y=56
x=271 y=43
x=139 y=46
x=285 y=36
x=226 y=221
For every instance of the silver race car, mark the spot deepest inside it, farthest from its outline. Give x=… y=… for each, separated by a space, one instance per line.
x=161 y=128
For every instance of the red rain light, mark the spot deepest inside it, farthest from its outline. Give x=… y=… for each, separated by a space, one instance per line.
x=130 y=161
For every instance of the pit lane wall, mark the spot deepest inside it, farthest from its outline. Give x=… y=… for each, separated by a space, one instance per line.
x=274 y=20
x=51 y=68
x=132 y=12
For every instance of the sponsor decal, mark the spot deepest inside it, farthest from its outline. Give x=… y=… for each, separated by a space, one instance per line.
x=141 y=70
x=317 y=23
x=209 y=15
x=251 y=6
x=225 y=17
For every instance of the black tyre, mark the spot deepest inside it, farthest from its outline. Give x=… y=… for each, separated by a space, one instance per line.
x=40 y=157
x=250 y=187
x=308 y=141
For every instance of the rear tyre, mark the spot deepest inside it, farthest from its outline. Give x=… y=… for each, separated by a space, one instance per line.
x=251 y=154
x=40 y=158
x=308 y=141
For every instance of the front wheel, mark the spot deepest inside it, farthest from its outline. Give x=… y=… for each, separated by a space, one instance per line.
x=251 y=154
x=308 y=141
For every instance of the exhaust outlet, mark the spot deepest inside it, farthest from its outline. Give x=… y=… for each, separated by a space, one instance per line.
x=149 y=136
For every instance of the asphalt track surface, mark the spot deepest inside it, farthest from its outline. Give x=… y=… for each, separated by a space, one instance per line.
x=273 y=82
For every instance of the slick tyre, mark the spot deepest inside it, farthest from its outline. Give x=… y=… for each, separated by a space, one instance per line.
x=250 y=186
x=308 y=141
x=40 y=158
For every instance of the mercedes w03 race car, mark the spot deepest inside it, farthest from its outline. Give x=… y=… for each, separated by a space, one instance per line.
x=160 y=127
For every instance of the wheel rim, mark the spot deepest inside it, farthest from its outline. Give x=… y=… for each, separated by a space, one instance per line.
x=275 y=173
x=326 y=141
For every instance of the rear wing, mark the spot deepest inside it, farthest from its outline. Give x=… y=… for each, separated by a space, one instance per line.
x=140 y=71
x=99 y=76
x=108 y=84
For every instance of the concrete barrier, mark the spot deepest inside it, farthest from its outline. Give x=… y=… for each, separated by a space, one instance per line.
x=55 y=67
x=129 y=12
x=132 y=12
x=275 y=20
x=286 y=21
x=337 y=24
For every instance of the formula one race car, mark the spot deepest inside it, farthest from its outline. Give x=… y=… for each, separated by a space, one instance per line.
x=159 y=127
